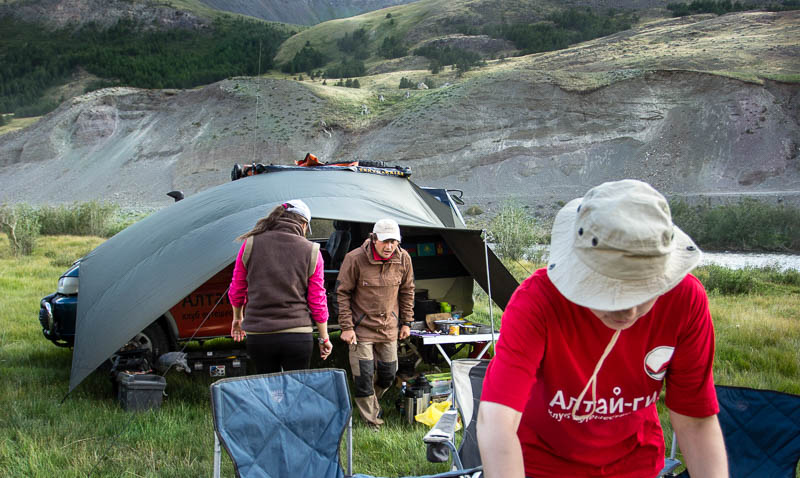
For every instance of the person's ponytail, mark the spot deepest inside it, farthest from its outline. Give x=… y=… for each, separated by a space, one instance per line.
x=265 y=223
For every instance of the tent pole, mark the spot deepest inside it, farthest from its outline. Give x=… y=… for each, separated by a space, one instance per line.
x=350 y=446
x=489 y=284
x=217 y=455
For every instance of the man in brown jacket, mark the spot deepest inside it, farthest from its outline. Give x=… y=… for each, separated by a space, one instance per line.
x=376 y=308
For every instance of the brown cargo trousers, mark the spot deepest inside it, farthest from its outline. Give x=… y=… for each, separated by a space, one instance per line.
x=373 y=365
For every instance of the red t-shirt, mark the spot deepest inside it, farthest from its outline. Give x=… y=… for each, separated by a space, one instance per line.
x=547 y=352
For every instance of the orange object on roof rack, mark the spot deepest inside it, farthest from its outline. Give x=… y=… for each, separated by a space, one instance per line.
x=310 y=161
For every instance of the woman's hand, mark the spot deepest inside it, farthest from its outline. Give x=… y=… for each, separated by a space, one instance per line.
x=236 y=330
x=325 y=349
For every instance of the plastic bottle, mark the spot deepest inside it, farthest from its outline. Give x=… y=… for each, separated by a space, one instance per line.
x=401 y=400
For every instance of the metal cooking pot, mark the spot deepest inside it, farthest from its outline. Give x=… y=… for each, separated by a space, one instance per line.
x=443 y=326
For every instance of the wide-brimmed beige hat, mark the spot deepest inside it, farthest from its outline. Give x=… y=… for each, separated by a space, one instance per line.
x=617 y=247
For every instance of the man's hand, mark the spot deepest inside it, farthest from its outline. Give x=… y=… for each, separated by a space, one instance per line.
x=236 y=330
x=405 y=331
x=349 y=337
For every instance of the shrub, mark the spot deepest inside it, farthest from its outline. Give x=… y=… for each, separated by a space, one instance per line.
x=21 y=224
x=306 y=60
x=514 y=231
x=726 y=281
x=79 y=219
x=474 y=211
x=356 y=44
x=746 y=226
x=348 y=69
x=763 y=280
x=393 y=47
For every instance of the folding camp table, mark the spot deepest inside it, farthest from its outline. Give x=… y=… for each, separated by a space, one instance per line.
x=429 y=338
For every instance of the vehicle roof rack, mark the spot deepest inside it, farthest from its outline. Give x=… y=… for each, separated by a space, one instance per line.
x=311 y=163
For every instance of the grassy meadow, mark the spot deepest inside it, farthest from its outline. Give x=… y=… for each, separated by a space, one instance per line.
x=88 y=434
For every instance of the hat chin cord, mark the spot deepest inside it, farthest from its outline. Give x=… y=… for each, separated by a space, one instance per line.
x=593 y=381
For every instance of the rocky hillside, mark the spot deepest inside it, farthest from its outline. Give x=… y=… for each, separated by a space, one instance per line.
x=186 y=13
x=301 y=12
x=64 y=13
x=701 y=106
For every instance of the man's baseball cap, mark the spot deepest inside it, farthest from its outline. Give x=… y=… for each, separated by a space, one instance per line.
x=387 y=229
x=616 y=247
x=298 y=207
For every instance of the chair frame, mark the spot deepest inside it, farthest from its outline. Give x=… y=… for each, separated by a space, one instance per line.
x=348 y=428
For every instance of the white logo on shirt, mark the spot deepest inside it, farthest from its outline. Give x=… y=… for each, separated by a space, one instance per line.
x=656 y=361
x=609 y=408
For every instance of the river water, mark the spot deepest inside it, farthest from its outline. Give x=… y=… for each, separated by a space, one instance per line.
x=736 y=260
x=731 y=260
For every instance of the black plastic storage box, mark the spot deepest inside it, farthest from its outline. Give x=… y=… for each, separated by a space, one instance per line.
x=138 y=392
x=218 y=363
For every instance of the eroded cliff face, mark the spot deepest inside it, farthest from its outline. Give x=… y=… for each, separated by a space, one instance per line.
x=162 y=15
x=685 y=133
x=301 y=12
x=496 y=137
x=75 y=13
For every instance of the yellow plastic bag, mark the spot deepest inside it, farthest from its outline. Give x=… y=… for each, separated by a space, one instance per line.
x=432 y=414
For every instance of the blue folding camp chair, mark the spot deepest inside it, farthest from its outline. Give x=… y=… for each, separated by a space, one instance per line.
x=287 y=424
x=761 y=430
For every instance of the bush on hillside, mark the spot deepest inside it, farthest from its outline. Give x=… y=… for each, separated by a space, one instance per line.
x=355 y=45
x=721 y=7
x=20 y=223
x=463 y=59
x=513 y=231
x=305 y=60
x=474 y=211
x=393 y=47
x=561 y=29
x=36 y=58
x=348 y=69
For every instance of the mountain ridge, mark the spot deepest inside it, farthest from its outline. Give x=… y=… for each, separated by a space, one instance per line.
x=647 y=103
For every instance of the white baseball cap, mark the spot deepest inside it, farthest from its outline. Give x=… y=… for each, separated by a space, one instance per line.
x=616 y=247
x=297 y=206
x=387 y=229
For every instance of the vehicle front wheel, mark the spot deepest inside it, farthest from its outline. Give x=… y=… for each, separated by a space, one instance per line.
x=153 y=339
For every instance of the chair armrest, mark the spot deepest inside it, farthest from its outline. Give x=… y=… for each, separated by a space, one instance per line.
x=670 y=465
x=444 y=430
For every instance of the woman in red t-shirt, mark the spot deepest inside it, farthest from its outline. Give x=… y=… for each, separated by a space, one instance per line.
x=587 y=344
